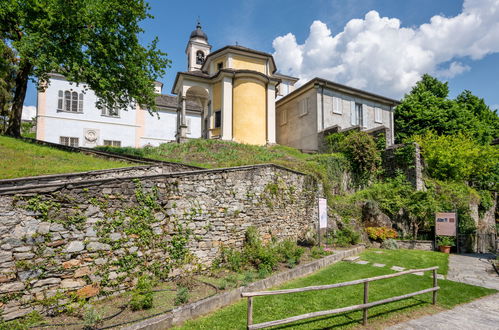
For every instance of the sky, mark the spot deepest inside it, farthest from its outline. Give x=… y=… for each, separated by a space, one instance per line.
x=381 y=46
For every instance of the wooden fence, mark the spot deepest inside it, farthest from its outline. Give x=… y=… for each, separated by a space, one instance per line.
x=365 y=306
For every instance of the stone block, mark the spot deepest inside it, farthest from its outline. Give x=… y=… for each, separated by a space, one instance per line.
x=12 y=287
x=72 y=284
x=24 y=256
x=43 y=228
x=71 y=263
x=56 y=243
x=96 y=246
x=57 y=227
x=83 y=271
x=88 y=291
x=22 y=249
x=47 y=281
x=5 y=256
x=75 y=246
x=379 y=265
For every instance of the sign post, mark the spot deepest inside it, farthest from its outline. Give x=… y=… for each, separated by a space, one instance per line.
x=446 y=225
x=322 y=216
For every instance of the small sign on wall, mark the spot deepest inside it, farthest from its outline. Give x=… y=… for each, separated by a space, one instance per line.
x=322 y=213
x=446 y=223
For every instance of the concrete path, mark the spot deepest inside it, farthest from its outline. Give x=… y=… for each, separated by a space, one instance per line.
x=474 y=269
x=481 y=314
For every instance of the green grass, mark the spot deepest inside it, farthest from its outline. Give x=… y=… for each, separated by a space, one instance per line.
x=412 y=259
x=281 y=306
x=20 y=159
x=217 y=153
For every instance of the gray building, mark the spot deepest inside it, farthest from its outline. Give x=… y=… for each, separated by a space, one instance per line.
x=320 y=107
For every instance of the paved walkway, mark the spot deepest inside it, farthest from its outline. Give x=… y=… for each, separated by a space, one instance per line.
x=474 y=269
x=480 y=314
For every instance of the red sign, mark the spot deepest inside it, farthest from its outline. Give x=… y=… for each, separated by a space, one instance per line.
x=446 y=224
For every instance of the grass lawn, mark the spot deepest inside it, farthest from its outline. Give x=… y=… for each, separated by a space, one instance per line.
x=277 y=307
x=19 y=159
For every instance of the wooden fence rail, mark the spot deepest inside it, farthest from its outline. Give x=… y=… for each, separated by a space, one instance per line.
x=365 y=306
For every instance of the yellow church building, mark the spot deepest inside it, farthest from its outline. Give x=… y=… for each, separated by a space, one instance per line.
x=236 y=89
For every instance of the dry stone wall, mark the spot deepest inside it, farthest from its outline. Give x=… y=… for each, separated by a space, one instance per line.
x=61 y=243
x=9 y=185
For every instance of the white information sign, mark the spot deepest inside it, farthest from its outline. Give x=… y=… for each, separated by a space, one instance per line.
x=322 y=213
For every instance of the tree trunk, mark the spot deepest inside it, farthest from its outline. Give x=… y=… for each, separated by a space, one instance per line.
x=14 y=128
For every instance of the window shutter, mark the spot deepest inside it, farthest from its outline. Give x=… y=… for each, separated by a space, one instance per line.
x=80 y=103
x=353 y=113
x=188 y=125
x=378 y=115
x=60 y=101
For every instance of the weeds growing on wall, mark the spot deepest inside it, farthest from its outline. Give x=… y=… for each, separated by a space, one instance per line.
x=255 y=255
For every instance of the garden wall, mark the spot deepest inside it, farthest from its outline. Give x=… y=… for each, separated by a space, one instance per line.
x=415 y=245
x=96 y=237
x=407 y=159
x=10 y=185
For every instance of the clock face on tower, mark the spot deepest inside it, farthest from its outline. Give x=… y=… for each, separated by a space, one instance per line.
x=199 y=57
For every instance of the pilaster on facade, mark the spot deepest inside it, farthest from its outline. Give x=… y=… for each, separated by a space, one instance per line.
x=271 y=114
x=227 y=108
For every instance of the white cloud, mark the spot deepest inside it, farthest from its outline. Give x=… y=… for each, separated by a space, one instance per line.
x=29 y=112
x=377 y=54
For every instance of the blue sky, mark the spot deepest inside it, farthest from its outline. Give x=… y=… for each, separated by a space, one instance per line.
x=256 y=24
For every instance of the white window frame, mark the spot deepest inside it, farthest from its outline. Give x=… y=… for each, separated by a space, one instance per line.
x=353 y=114
x=337 y=105
x=106 y=112
x=283 y=117
x=378 y=115
x=69 y=141
x=303 y=107
x=112 y=143
x=70 y=101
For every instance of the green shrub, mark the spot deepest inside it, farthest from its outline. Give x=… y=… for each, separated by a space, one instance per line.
x=344 y=237
x=182 y=296
x=318 y=252
x=446 y=241
x=290 y=252
x=381 y=233
x=91 y=318
x=142 y=295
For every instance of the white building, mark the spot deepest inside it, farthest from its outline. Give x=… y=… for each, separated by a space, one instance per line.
x=67 y=114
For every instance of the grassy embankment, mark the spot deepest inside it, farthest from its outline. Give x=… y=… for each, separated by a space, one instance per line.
x=269 y=308
x=19 y=159
x=217 y=153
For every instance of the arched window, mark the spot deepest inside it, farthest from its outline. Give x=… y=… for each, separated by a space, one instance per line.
x=199 y=57
x=74 y=103
x=67 y=101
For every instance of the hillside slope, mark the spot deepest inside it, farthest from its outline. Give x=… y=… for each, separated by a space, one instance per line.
x=19 y=159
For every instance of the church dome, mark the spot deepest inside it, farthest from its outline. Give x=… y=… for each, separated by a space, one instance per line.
x=199 y=33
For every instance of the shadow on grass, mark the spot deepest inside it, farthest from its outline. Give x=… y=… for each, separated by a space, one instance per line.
x=416 y=303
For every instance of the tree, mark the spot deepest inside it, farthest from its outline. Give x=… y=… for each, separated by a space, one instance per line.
x=91 y=41
x=7 y=79
x=427 y=108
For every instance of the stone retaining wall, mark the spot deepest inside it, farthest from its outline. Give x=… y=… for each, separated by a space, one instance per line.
x=18 y=184
x=96 y=237
x=415 y=245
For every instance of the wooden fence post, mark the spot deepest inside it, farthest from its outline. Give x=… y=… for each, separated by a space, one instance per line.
x=250 y=311
x=434 y=285
x=366 y=300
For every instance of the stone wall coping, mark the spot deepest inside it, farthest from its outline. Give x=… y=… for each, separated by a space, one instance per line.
x=415 y=240
x=70 y=174
x=210 y=304
x=84 y=183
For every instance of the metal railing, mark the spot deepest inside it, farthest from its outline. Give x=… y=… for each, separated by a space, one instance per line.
x=364 y=306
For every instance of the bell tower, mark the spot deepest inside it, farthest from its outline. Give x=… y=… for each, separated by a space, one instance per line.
x=197 y=49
